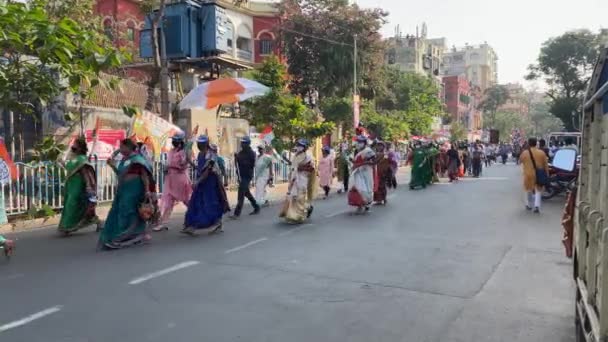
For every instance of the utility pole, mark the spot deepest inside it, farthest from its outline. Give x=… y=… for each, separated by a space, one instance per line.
x=165 y=109
x=355 y=65
x=355 y=92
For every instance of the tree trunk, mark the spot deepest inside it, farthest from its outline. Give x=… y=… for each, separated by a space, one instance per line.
x=157 y=70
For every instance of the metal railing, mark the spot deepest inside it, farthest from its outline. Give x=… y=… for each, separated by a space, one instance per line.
x=42 y=184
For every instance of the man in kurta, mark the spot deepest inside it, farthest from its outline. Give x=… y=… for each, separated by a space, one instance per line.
x=533 y=159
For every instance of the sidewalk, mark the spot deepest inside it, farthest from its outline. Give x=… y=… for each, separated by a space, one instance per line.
x=274 y=195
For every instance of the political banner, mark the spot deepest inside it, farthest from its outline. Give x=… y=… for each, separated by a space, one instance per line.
x=154 y=131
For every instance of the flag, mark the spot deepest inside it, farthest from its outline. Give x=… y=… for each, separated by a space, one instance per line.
x=267 y=135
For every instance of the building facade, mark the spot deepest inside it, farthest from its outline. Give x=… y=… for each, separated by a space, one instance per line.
x=477 y=63
x=518 y=101
x=416 y=53
x=462 y=101
x=122 y=21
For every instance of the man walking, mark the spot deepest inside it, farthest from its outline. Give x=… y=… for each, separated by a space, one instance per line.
x=533 y=159
x=263 y=174
x=245 y=163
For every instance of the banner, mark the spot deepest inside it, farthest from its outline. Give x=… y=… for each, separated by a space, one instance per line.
x=104 y=141
x=153 y=131
x=356 y=110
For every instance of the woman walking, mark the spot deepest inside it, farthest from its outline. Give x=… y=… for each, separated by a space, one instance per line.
x=302 y=189
x=177 y=186
x=208 y=202
x=80 y=197
x=453 y=162
x=361 y=193
x=132 y=206
x=384 y=174
x=326 y=171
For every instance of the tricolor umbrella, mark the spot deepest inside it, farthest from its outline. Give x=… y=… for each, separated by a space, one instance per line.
x=222 y=91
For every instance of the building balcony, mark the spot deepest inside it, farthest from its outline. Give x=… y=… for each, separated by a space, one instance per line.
x=244 y=55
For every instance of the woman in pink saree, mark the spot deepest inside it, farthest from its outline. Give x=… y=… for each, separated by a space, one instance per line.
x=177 y=186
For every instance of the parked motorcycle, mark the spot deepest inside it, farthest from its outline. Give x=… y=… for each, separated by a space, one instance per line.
x=559 y=182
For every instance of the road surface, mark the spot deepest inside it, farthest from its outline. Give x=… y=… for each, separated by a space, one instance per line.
x=455 y=262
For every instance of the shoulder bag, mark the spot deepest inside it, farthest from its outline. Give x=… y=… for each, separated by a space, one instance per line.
x=541 y=174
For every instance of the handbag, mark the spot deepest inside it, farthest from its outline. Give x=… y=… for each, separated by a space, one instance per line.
x=541 y=175
x=146 y=209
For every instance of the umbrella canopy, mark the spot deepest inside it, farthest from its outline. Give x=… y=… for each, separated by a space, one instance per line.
x=223 y=91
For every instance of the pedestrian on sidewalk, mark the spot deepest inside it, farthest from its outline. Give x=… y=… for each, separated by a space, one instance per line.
x=343 y=165
x=534 y=160
x=208 y=202
x=326 y=170
x=177 y=186
x=361 y=192
x=80 y=199
x=245 y=164
x=264 y=174
x=302 y=186
x=136 y=191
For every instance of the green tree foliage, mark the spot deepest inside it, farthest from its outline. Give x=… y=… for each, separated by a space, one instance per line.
x=43 y=56
x=565 y=63
x=458 y=131
x=505 y=122
x=542 y=121
x=494 y=97
x=317 y=38
x=286 y=113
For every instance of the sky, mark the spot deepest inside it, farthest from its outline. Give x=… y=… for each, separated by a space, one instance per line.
x=514 y=28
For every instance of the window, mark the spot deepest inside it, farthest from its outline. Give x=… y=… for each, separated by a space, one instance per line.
x=130 y=34
x=229 y=43
x=266 y=46
x=131 y=31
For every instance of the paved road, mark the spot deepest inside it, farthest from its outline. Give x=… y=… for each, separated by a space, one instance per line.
x=455 y=262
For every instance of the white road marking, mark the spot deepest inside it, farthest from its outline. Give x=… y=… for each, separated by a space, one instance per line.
x=293 y=230
x=162 y=272
x=30 y=318
x=337 y=213
x=391 y=196
x=248 y=244
x=14 y=276
x=485 y=178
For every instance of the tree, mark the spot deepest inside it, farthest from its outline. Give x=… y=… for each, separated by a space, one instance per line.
x=43 y=56
x=317 y=39
x=494 y=97
x=457 y=131
x=542 y=121
x=287 y=114
x=565 y=63
x=160 y=71
x=506 y=122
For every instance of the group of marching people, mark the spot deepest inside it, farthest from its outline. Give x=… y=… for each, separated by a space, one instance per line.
x=367 y=173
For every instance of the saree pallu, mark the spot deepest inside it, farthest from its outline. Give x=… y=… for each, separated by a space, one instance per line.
x=208 y=202
x=124 y=226
x=420 y=173
x=361 y=192
x=80 y=185
x=303 y=189
x=383 y=179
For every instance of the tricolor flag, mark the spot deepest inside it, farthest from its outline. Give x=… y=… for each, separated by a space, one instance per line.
x=267 y=135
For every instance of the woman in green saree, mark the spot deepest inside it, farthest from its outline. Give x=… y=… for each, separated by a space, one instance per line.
x=80 y=197
x=124 y=225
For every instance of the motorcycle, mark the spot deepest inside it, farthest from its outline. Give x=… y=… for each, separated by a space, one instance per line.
x=559 y=182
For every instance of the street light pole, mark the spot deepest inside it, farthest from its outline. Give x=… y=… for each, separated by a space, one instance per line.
x=355 y=92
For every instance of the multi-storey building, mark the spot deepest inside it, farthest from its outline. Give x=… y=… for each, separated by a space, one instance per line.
x=462 y=101
x=416 y=53
x=250 y=26
x=477 y=63
x=518 y=101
